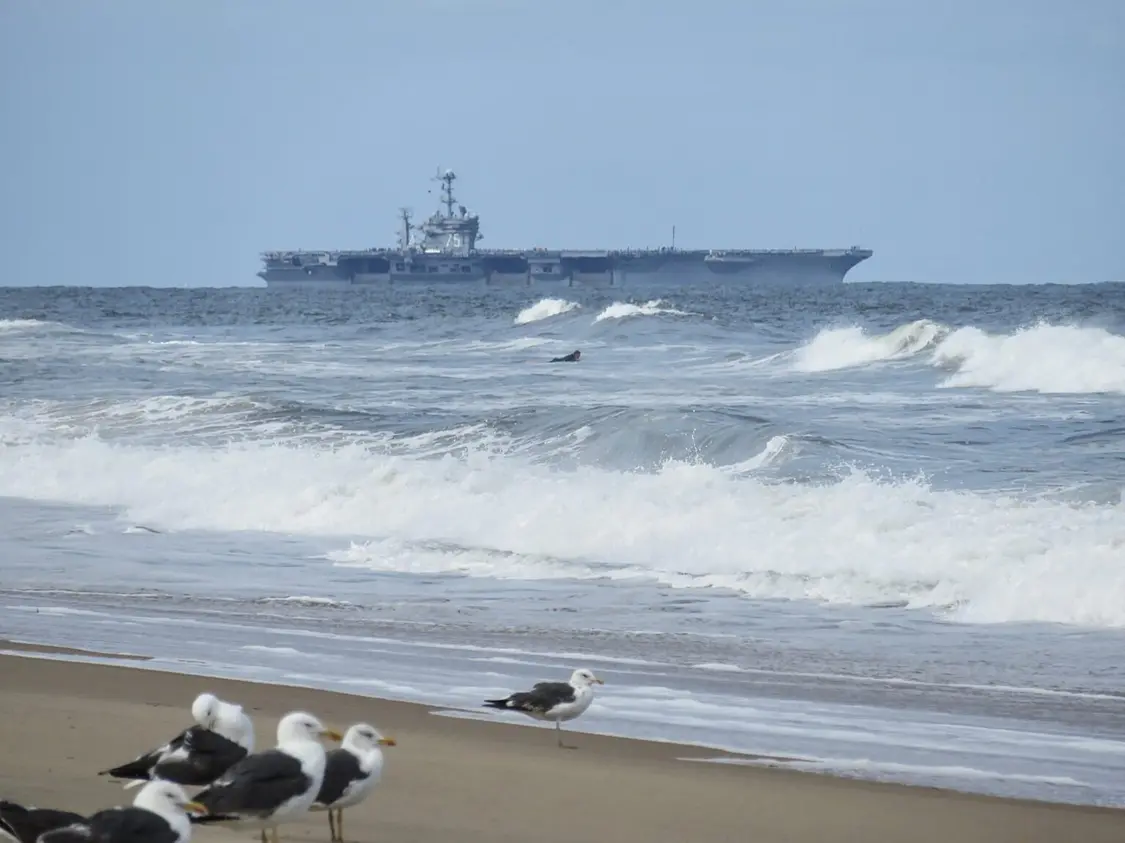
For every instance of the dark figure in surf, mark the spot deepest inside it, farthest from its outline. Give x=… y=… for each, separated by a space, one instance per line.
x=569 y=358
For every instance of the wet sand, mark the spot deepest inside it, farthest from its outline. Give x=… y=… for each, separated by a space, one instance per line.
x=482 y=782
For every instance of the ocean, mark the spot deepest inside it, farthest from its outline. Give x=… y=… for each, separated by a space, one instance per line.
x=872 y=530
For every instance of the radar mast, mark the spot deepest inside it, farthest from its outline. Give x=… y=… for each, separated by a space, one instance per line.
x=447 y=178
x=404 y=214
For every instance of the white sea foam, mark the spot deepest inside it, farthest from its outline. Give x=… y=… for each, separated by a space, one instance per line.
x=306 y=600
x=894 y=771
x=841 y=348
x=623 y=310
x=860 y=540
x=545 y=309
x=277 y=651
x=719 y=667
x=26 y=324
x=773 y=451
x=514 y=344
x=1044 y=358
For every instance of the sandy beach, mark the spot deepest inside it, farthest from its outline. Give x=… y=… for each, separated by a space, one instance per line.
x=468 y=781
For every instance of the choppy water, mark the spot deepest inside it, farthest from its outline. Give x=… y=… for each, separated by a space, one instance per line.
x=877 y=529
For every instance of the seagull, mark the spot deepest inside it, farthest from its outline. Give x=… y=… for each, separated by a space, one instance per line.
x=157 y=815
x=557 y=701
x=223 y=734
x=24 y=824
x=351 y=773
x=265 y=789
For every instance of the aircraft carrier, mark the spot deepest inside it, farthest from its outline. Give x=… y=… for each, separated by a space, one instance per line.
x=443 y=249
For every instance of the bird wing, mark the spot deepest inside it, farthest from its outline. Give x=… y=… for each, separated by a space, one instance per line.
x=255 y=785
x=131 y=825
x=340 y=770
x=74 y=833
x=26 y=824
x=13 y=820
x=141 y=766
x=205 y=755
x=542 y=697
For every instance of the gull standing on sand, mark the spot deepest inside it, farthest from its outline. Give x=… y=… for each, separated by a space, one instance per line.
x=157 y=815
x=350 y=774
x=263 y=790
x=557 y=701
x=24 y=824
x=223 y=734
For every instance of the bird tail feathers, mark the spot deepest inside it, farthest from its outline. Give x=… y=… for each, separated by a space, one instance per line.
x=138 y=769
x=208 y=819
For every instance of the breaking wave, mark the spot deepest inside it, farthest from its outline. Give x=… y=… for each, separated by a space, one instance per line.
x=544 y=309
x=623 y=310
x=856 y=540
x=842 y=348
x=23 y=324
x=1044 y=358
x=415 y=481
x=551 y=307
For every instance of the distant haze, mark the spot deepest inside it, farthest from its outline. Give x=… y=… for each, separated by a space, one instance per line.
x=167 y=143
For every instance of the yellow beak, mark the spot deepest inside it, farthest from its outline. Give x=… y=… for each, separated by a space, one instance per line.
x=387 y=742
x=195 y=807
x=600 y=681
x=332 y=734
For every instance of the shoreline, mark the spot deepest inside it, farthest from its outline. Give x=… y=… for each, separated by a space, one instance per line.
x=481 y=780
x=77 y=656
x=34 y=648
x=694 y=753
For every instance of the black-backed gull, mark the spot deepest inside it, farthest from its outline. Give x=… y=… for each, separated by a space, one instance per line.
x=157 y=815
x=267 y=788
x=350 y=774
x=223 y=734
x=553 y=701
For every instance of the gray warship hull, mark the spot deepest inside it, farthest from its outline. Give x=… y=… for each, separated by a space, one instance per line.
x=559 y=268
x=446 y=253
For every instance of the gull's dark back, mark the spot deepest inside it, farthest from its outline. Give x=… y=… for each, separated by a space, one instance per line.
x=255 y=785
x=116 y=825
x=209 y=755
x=341 y=769
x=26 y=824
x=542 y=697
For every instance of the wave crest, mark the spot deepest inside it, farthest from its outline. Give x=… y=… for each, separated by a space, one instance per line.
x=842 y=348
x=623 y=310
x=1050 y=359
x=858 y=540
x=544 y=309
x=1044 y=358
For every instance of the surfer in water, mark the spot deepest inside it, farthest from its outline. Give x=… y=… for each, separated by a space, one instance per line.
x=568 y=358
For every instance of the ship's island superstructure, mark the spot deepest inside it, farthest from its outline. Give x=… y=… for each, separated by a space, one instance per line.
x=444 y=249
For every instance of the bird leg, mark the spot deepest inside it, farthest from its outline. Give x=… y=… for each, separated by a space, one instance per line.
x=340 y=825
x=276 y=836
x=558 y=731
x=332 y=825
x=264 y=840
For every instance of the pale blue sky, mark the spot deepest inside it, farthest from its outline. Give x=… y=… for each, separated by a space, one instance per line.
x=167 y=143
